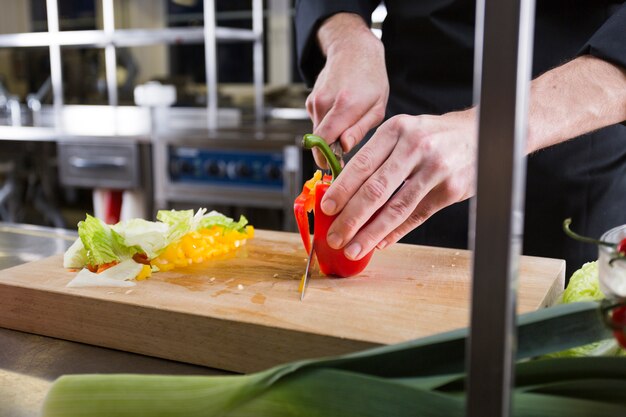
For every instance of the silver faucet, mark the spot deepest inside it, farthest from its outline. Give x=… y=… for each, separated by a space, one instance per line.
x=11 y=104
x=33 y=100
x=4 y=97
x=15 y=110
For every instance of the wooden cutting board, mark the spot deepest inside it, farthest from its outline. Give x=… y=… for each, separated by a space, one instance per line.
x=243 y=313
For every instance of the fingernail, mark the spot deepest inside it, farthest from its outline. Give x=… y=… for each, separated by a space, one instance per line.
x=334 y=240
x=353 y=251
x=351 y=140
x=329 y=206
x=382 y=245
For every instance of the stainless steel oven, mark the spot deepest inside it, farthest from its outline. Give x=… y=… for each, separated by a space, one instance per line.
x=244 y=170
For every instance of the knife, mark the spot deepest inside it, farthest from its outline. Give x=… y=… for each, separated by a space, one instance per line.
x=338 y=151
x=304 y=282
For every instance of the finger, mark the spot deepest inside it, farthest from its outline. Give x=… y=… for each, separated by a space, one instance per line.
x=319 y=158
x=393 y=214
x=355 y=133
x=342 y=115
x=374 y=193
x=362 y=165
x=437 y=199
x=318 y=105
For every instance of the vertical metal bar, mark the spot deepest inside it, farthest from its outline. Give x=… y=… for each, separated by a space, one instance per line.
x=210 y=60
x=56 y=68
x=110 y=58
x=257 y=29
x=502 y=73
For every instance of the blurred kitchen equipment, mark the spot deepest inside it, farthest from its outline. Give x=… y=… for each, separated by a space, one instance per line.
x=108 y=149
x=612 y=273
x=155 y=94
x=34 y=100
x=251 y=170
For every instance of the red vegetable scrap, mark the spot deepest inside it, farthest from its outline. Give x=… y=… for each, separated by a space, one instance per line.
x=618 y=318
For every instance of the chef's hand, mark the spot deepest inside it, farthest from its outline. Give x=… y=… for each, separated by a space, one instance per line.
x=351 y=91
x=431 y=157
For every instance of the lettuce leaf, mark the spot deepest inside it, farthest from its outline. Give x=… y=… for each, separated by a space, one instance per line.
x=215 y=218
x=75 y=256
x=98 y=241
x=142 y=236
x=584 y=285
x=103 y=243
x=180 y=222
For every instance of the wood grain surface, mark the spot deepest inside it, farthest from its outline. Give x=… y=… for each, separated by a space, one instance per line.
x=243 y=313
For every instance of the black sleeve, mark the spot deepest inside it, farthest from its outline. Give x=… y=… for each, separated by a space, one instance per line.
x=609 y=41
x=309 y=15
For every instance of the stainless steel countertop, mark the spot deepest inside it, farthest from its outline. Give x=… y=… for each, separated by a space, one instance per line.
x=29 y=363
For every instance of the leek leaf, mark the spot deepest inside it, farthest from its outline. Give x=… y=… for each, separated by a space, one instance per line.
x=419 y=378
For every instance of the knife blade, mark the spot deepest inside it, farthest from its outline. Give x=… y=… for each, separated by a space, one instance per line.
x=337 y=150
x=304 y=282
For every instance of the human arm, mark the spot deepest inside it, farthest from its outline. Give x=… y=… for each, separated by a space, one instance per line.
x=347 y=62
x=351 y=91
x=433 y=157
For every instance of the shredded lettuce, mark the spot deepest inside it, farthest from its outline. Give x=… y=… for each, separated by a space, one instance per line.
x=75 y=256
x=180 y=222
x=142 y=236
x=102 y=243
x=98 y=241
x=584 y=285
x=217 y=219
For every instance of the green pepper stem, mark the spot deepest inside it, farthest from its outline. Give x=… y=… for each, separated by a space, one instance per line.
x=576 y=236
x=310 y=141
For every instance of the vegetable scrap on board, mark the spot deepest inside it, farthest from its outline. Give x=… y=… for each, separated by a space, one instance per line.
x=134 y=249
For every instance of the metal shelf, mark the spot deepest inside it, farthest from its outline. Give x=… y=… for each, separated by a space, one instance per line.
x=111 y=38
x=125 y=37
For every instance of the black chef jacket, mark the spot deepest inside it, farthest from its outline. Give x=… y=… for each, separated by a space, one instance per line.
x=429 y=51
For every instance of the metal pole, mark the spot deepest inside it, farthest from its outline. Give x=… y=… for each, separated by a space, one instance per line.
x=110 y=58
x=56 y=69
x=502 y=72
x=210 y=59
x=257 y=29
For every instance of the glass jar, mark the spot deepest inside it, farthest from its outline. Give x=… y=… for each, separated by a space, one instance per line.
x=612 y=275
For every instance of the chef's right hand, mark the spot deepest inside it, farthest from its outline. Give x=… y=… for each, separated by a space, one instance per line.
x=350 y=94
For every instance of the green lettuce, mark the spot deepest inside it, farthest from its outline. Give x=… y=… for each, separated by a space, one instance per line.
x=141 y=235
x=180 y=222
x=103 y=243
x=98 y=241
x=584 y=285
x=217 y=219
x=75 y=256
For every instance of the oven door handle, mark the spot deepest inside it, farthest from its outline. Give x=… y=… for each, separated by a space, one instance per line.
x=102 y=162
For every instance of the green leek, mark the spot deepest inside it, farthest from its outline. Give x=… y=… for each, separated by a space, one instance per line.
x=422 y=378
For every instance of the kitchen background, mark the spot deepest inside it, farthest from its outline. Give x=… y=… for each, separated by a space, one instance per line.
x=123 y=107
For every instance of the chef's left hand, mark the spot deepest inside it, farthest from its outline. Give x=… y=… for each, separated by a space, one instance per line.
x=433 y=158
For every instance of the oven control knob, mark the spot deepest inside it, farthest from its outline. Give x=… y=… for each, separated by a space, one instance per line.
x=273 y=172
x=215 y=168
x=243 y=170
x=187 y=167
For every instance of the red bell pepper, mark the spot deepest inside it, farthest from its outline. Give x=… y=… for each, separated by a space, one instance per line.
x=304 y=203
x=331 y=261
